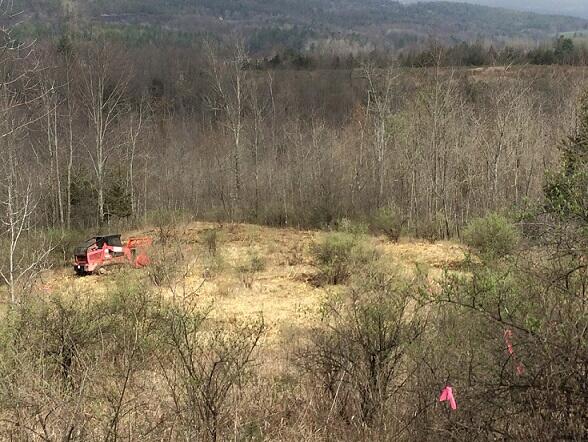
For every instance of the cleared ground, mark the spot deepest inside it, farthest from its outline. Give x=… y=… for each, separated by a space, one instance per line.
x=282 y=291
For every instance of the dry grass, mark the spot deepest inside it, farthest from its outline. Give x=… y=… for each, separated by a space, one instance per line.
x=280 y=291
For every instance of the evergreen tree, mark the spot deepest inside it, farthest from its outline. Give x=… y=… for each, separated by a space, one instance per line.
x=118 y=199
x=567 y=190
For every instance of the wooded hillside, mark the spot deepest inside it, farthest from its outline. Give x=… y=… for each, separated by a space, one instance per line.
x=369 y=22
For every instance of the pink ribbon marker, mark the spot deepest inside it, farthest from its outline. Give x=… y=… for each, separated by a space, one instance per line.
x=447 y=395
x=508 y=340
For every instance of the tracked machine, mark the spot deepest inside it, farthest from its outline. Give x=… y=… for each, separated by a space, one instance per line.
x=99 y=252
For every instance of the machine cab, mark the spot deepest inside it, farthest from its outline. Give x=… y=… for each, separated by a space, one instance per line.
x=93 y=252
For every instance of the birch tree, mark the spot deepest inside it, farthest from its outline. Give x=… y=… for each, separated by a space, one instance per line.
x=137 y=121
x=19 y=206
x=104 y=83
x=228 y=81
x=51 y=104
x=19 y=97
x=379 y=109
x=66 y=50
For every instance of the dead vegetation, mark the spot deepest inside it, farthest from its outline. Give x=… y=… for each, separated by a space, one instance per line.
x=247 y=270
x=229 y=335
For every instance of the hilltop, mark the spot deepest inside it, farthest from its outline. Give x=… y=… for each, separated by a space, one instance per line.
x=576 y=8
x=301 y=23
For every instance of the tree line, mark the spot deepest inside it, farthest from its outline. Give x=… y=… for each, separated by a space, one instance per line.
x=562 y=51
x=94 y=132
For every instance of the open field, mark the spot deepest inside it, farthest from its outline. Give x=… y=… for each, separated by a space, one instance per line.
x=282 y=290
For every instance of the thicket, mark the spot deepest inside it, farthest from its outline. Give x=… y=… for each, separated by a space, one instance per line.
x=387 y=221
x=509 y=335
x=359 y=355
x=77 y=368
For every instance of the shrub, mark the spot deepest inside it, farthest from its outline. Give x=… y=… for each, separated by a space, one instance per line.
x=502 y=332
x=172 y=265
x=210 y=238
x=214 y=266
x=32 y=255
x=275 y=216
x=206 y=365
x=71 y=365
x=63 y=243
x=63 y=354
x=387 y=221
x=214 y=262
x=166 y=269
x=338 y=253
x=256 y=263
x=358 y=353
x=493 y=236
x=432 y=229
x=247 y=270
x=166 y=217
x=348 y=226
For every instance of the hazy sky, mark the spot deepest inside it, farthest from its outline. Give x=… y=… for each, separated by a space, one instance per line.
x=565 y=7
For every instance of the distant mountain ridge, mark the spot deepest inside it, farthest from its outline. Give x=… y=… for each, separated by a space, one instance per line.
x=574 y=8
x=378 y=23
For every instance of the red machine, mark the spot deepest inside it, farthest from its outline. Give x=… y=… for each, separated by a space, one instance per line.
x=101 y=251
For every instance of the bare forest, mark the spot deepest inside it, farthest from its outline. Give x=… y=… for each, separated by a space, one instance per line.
x=100 y=133
x=371 y=252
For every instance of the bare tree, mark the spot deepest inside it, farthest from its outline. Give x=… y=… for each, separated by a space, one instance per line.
x=18 y=93
x=204 y=366
x=228 y=80
x=379 y=108
x=500 y=138
x=138 y=119
x=104 y=83
x=19 y=208
x=440 y=104
x=69 y=63
x=51 y=104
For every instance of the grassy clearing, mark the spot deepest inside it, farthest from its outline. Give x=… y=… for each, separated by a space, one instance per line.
x=279 y=289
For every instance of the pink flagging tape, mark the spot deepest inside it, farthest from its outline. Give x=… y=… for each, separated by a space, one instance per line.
x=520 y=368
x=508 y=341
x=447 y=395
